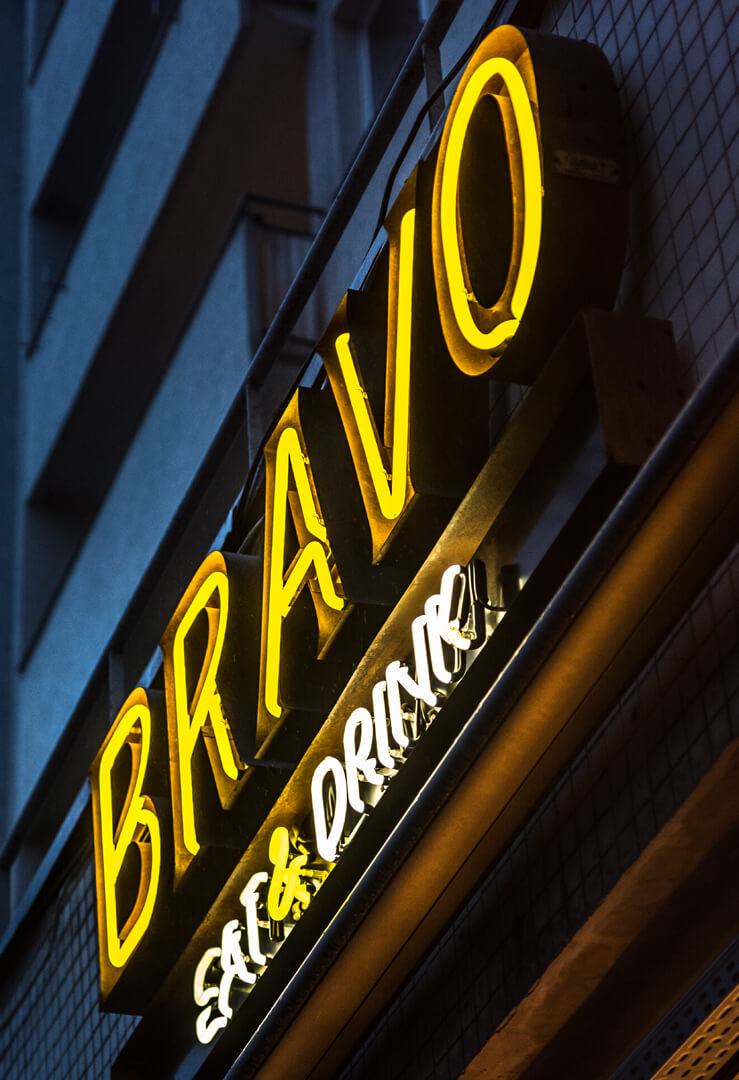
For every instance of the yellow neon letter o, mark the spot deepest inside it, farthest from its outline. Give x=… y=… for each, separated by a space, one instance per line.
x=476 y=335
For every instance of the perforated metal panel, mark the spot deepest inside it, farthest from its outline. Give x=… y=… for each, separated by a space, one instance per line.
x=698 y=1035
x=713 y=1044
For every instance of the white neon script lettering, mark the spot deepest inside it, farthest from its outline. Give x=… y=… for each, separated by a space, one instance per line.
x=448 y=620
x=211 y=995
x=452 y=623
x=221 y=965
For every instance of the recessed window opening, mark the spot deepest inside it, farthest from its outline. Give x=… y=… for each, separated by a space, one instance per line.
x=372 y=40
x=127 y=49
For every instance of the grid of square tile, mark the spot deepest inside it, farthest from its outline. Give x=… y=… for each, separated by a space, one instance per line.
x=643 y=762
x=51 y=1026
x=675 y=65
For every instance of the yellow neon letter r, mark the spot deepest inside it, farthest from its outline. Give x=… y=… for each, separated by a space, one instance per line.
x=187 y=719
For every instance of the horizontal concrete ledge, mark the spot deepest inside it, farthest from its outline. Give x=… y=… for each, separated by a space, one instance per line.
x=680 y=880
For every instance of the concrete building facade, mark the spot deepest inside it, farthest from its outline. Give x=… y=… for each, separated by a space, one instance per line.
x=189 y=189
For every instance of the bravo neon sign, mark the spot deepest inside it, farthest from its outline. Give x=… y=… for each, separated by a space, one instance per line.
x=360 y=478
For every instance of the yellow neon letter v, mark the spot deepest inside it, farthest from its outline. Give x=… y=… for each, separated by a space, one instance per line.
x=386 y=491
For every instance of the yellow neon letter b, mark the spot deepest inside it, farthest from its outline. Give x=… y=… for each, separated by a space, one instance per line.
x=137 y=824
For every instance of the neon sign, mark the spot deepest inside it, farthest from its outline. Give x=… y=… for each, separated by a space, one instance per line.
x=361 y=478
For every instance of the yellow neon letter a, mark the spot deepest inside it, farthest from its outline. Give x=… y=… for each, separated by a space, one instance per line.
x=137 y=824
x=476 y=335
x=313 y=563
x=382 y=464
x=208 y=595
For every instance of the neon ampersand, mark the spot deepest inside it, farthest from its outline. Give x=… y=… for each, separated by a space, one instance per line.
x=287 y=886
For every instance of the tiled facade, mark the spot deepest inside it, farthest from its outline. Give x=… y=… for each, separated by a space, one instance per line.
x=675 y=64
x=672 y=724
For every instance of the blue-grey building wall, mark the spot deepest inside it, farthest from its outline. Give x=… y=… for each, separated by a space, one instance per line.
x=675 y=66
x=11 y=81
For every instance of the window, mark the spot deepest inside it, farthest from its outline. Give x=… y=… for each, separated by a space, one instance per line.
x=126 y=51
x=371 y=43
